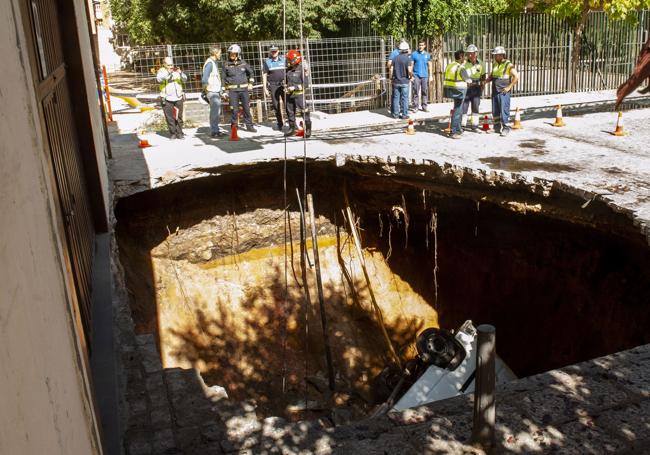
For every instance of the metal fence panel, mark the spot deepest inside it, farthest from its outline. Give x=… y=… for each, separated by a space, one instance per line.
x=350 y=73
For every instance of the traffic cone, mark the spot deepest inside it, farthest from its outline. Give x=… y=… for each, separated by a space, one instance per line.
x=144 y=143
x=410 y=129
x=558 y=117
x=233 y=129
x=486 y=124
x=301 y=130
x=619 y=125
x=448 y=129
x=516 y=125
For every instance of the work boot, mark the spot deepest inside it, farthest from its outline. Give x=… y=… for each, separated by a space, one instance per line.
x=307 y=129
x=290 y=129
x=505 y=131
x=251 y=129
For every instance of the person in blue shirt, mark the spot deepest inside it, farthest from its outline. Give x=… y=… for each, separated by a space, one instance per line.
x=401 y=72
x=422 y=74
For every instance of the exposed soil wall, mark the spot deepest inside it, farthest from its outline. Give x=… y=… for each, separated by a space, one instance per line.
x=205 y=265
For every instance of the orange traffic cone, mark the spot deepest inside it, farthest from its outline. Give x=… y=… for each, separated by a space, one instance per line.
x=144 y=143
x=619 y=125
x=233 y=130
x=558 y=117
x=410 y=129
x=486 y=124
x=516 y=125
x=448 y=129
x=301 y=130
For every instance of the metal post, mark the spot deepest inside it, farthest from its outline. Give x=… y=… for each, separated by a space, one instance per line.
x=108 y=94
x=170 y=53
x=484 y=393
x=568 y=63
x=311 y=74
x=382 y=63
x=259 y=46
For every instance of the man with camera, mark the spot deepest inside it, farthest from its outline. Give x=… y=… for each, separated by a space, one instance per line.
x=172 y=79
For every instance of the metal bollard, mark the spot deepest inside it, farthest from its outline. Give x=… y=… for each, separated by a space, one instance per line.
x=484 y=393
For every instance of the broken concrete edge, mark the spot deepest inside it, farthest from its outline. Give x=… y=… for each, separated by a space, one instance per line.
x=512 y=191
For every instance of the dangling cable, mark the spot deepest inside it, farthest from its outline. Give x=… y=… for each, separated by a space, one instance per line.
x=286 y=215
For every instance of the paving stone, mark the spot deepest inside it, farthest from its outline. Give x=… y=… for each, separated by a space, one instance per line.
x=629 y=423
x=144 y=339
x=188 y=437
x=138 y=445
x=631 y=372
x=571 y=396
x=212 y=432
x=150 y=357
x=164 y=443
x=161 y=417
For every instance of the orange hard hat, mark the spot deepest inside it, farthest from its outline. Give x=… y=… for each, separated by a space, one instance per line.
x=294 y=57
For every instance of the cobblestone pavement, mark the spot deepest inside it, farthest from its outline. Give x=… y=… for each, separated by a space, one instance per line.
x=599 y=406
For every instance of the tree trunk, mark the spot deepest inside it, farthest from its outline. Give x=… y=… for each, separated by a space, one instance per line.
x=435 y=87
x=578 y=36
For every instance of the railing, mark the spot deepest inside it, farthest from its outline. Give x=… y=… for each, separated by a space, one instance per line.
x=350 y=73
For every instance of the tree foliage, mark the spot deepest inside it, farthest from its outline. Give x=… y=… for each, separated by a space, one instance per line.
x=193 y=21
x=431 y=17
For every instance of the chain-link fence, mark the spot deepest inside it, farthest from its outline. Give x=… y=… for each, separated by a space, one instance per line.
x=350 y=73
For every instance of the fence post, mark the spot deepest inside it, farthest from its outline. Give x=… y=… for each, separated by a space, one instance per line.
x=567 y=87
x=384 y=76
x=170 y=53
x=311 y=75
x=260 y=112
x=484 y=392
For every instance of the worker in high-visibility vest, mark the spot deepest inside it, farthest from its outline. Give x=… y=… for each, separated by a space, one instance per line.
x=172 y=79
x=455 y=87
x=504 y=77
x=475 y=88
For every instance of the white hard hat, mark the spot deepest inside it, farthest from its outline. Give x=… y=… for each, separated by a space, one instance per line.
x=471 y=48
x=499 y=50
x=234 y=49
x=403 y=46
x=168 y=61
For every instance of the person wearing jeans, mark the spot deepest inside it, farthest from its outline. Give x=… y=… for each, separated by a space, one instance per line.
x=504 y=76
x=455 y=87
x=211 y=82
x=422 y=75
x=399 y=105
x=401 y=73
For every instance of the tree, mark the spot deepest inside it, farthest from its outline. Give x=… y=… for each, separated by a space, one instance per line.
x=577 y=13
x=200 y=21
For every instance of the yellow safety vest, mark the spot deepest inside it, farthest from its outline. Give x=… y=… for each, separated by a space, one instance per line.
x=476 y=75
x=453 y=77
x=501 y=70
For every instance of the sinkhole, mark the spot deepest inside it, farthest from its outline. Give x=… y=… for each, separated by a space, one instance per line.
x=214 y=268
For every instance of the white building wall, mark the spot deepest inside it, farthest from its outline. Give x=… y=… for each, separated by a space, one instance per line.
x=44 y=399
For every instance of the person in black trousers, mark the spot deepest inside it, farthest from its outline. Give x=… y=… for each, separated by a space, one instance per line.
x=238 y=80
